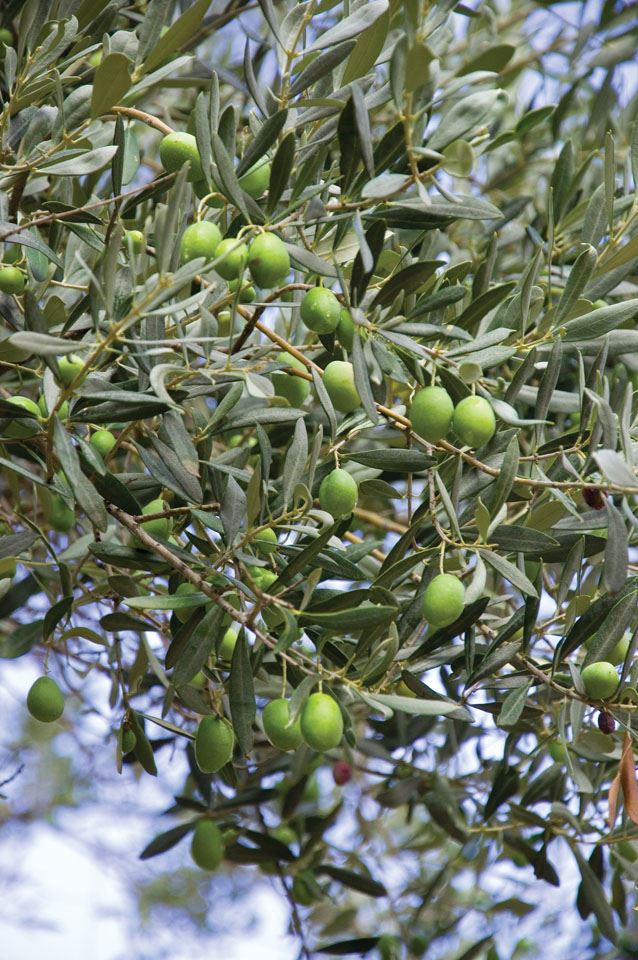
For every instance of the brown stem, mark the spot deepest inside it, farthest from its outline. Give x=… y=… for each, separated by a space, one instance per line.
x=145 y=117
x=252 y=321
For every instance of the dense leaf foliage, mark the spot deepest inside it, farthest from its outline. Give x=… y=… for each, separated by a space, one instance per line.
x=229 y=284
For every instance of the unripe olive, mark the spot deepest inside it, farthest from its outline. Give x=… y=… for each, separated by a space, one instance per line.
x=224 y=328
x=600 y=680
x=268 y=260
x=262 y=577
x=321 y=722
x=557 y=751
x=231 y=257
x=618 y=652
x=136 y=238
x=293 y=389
x=256 y=180
x=176 y=149
x=265 y=541
x=62 y=411
x=247 y=292
x=320 y=310
x=345 y=329
x=202 y=190
x=277 y=727
x=199 y=240
x=103 y=441
x=431 y=413
x=160 y=526
x=45 y=701
x=214 y=744
x=12 y=280
x=129 y=740
x=227 y=645
x=60 y=516
x=338 y=493
x=23 y=428
x=70 y=367
x=12 y=253
x=338 y=379
x=474 y=421
x=185 y=589
x=207 y=846
x=6 y=37
x=443 y=600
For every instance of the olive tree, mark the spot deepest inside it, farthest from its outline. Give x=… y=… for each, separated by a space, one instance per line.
x=318 y=433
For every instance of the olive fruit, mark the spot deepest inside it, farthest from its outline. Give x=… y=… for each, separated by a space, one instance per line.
x=12 y=253
x=6 y=36
x=70 y=367
x=277 y=727
x=558 y=751
x=176 y=149
x=287 y=385
x=136 y=238
x=431 y=413
x=23 y=428
x=320 y=310
x=129 y=740
x=268 y=260
x=160 y=526
x=103 y=441
x=225 y=323
x=262 y=577
x=600 y=680
x=345 y=329
x=594 y=498
x=227 y=645
x=60 y=516
x=247 y=292
x=618 y=652
x=207 y=846
x=255 y=181
x=45 y=701
x=202 y=190
x=265 y=541
x=231 y=256
x=606 y=723
x=474 y=422
x=338 y=493
x=321 y=722
x=338 y=379
x=443 y=600
x=12 y=280
x=214 y=744
x=62 y=412
x=184 y=590
x=341 y=772
x=199 y=240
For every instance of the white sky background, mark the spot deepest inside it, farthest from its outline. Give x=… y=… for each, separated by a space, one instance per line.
x=81 y=904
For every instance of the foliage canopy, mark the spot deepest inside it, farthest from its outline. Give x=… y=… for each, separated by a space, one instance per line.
x=410 y=195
